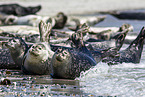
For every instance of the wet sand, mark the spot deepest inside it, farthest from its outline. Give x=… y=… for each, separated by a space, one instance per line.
x=51 y=7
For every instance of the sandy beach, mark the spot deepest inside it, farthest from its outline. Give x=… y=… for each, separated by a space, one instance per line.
x=51 y=7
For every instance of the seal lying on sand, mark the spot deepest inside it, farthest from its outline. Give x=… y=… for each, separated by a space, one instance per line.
x=17 y=48
x=68 y=63
x=132 y=54
x=37 y=58
x=128 y=14
x=115 y=42
x=18 y=10
x=105 y=34
x=57 y=22
x=91 y=43
x=89 y=20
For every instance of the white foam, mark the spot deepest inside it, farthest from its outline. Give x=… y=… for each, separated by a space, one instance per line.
x=125 y=79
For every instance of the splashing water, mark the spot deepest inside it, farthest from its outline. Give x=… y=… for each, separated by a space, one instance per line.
x=125 y=79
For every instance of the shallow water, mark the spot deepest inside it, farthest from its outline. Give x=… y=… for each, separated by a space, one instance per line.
x=125 y=79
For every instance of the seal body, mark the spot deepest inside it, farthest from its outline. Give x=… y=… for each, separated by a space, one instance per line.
x=69 y=63
x=132 y=54
x=6 y=61
x=115 y=42
x=37 y=59
x=16 y=9
x=17 y=48
x=134 y=14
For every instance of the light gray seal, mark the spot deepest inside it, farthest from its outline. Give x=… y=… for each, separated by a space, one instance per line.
x=38 y=57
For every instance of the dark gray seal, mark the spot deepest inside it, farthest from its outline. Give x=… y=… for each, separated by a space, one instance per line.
x=17 y=48
x=60 y=21
x=37 y=59
x=69 y=63
x=132 y=54
x=128 y=14
x=18 y=10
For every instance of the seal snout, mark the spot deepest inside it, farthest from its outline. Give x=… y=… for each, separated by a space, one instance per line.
x=61 y=55
x=35 y=50
x=10 y=45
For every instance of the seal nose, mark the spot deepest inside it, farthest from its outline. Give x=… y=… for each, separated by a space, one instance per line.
x=59 y=57
x=64 y=53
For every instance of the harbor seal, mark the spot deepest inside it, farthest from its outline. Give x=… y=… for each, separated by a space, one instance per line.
x=131 y=15
x=116 y=41
x=57 y=22
x=17 y=48
x=89 y=20
x=132 y=54
x=69 y=63
x=37 y=58
x=18 y=10
x=60 y=20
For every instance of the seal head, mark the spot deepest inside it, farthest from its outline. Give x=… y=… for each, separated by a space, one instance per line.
x=37 y=59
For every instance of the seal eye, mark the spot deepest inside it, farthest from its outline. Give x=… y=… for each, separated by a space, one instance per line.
x=59 y=50
x=39 y=48
x=14 y=41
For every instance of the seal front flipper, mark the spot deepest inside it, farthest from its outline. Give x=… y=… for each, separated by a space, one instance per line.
x=23 y=68
x=77 y=37
x=77 y=40
x=120 y=37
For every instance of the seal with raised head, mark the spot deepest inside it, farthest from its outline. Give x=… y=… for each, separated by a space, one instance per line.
x=132 y=54
x=60 y=21
x=38 y=57
x=69 y=63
